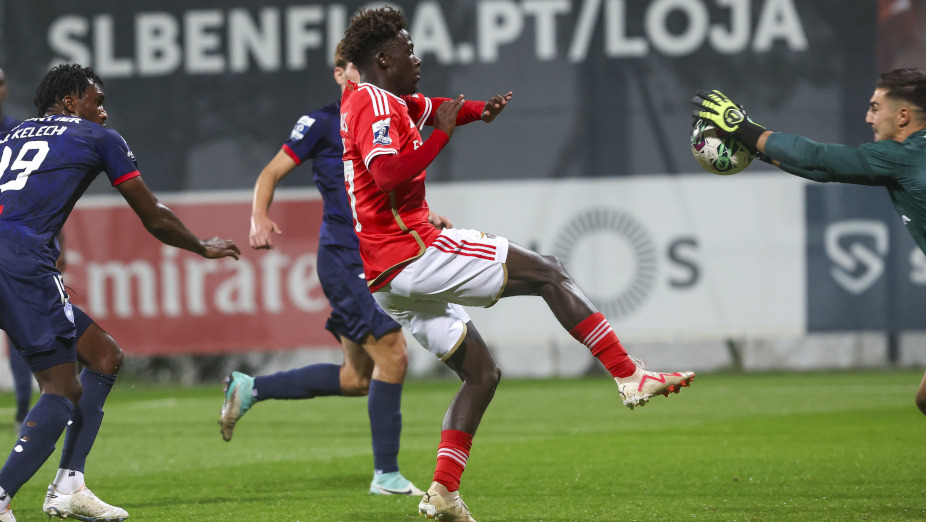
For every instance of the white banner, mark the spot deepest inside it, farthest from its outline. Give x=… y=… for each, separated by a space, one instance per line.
x=679 y=264
x=664 y=257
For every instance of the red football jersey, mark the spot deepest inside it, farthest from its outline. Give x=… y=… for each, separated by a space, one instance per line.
x=393 y=227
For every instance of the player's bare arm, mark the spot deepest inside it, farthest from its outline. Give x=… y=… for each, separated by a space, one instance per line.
x=495 y=106
x=164 y=225
x=262 y=227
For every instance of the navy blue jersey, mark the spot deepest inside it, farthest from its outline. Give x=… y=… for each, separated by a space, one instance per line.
x=317 y=136
x=46 y=164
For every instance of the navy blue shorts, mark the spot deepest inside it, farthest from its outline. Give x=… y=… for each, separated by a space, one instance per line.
x=82 y=321
x=354 y=312
x=35 y=311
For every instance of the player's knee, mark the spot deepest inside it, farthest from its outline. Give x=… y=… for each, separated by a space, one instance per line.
x=921 y=401
x=489 y=377
x=390 y=355
x=98 y=351
x=113 y=360
x=393 y=342
x=354 y=385
x=497 y=377
x=399 y=361
x=556 y=270
x=108 y=361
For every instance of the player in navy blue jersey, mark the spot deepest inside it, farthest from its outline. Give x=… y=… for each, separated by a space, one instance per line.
x=22 y=376
x=375 y=357
x=46 y=164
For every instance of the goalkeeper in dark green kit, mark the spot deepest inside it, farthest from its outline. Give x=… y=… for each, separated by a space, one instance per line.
x=896 y=159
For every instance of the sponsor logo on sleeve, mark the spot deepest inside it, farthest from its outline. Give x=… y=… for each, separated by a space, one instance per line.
x=381 y=132
x=301 y=127
x=128 y=151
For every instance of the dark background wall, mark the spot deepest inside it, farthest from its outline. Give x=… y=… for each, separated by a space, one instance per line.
x=205 y=91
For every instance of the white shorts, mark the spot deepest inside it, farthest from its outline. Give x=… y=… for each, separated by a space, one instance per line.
x=462 y=267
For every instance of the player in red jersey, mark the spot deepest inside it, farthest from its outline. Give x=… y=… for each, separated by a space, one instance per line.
x=420 y=275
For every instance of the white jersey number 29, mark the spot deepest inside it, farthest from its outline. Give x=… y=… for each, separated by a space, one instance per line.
x=26 y=166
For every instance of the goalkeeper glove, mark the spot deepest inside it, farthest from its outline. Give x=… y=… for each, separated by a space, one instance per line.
x=727 y=116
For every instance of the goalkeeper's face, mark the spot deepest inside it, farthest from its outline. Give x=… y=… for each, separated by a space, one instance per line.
x=883 y=116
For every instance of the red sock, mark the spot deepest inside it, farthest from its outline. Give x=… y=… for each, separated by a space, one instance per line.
x=596 y=333
x=452 y=455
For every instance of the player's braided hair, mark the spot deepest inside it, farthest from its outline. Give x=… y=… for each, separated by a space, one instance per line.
x=62 y=80
x=908 y=85
x=367 y=33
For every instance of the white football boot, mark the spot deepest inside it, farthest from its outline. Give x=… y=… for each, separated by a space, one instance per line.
x=440 y=504
x=81 y=505
x=7 y=516
x=637 y=389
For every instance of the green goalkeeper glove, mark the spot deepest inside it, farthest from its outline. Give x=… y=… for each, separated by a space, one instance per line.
x=727 y=116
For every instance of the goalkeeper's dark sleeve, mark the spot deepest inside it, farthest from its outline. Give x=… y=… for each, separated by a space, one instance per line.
x=748 y=133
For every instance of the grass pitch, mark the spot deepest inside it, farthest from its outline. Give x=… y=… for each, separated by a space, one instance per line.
x=809 y=446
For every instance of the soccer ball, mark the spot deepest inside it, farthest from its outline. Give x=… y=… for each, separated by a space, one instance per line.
x=716 y=151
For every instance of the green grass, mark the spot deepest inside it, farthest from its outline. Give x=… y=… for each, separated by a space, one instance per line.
x=820 y=446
